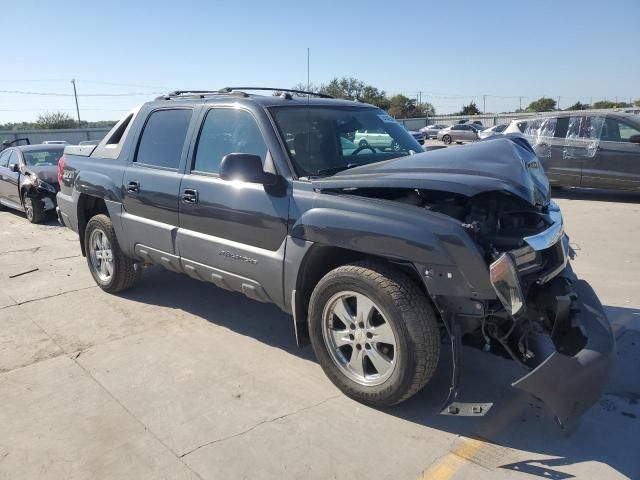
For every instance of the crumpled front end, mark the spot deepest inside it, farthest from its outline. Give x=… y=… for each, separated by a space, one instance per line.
x=571 y=378
x=552 y=323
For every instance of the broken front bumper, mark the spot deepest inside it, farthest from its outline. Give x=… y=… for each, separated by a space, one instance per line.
x=570 y=384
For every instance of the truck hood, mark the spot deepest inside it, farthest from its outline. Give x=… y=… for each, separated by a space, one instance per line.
x=496 y=164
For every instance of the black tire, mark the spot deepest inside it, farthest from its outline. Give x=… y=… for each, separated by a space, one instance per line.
x=395 y=146
x=33 y=209
x=363 y=143
x=446 y=139
x=126 y=272
x=411 y=316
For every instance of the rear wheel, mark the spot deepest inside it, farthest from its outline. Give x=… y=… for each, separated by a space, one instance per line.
x=447 y=139
x=395 y=146
x=374 y=333
x=363 y=143
x=111 y=269
x=33 y=209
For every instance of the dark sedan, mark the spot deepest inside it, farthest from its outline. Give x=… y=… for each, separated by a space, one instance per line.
x=28 y=179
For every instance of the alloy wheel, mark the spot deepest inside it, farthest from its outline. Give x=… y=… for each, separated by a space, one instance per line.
x=101 y=255
x=359 y=338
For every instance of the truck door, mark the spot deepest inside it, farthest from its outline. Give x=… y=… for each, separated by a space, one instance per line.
x=232 y=233
x=616 y=163
x=151 y=185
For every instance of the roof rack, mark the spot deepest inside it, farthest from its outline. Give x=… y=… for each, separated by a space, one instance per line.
x=234 y=91
x=269 y=89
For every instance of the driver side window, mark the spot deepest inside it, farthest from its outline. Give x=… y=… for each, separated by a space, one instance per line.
x=225 y=131
x=4 y=159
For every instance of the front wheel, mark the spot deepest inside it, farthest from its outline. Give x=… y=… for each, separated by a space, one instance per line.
x=111 y=269
x=374 y=333
x=33 y=209
x=447 y=139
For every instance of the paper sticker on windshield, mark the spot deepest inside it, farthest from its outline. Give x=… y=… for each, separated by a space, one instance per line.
x=386 y=118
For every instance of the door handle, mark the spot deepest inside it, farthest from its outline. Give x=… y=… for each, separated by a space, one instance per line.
x=190 y=196
x=133 y=187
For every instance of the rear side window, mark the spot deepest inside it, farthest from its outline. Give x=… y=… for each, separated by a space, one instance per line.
x=225 y=131
x=163 y=138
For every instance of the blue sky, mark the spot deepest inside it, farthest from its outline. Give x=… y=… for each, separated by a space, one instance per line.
x=463 y=49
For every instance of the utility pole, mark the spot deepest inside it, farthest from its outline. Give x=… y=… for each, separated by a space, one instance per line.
x=75 y=94
x=520 y=103
x=558 y=105
x=484 y=104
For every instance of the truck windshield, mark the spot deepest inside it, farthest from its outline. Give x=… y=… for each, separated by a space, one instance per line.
x=326 y=140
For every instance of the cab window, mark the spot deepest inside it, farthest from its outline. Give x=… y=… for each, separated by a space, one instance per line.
x=225 y=131
x=163 y=138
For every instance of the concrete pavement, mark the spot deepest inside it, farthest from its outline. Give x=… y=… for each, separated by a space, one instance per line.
x=178 y=379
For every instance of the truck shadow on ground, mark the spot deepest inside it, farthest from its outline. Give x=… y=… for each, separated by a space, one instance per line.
x=596 y=195
x=518 y=433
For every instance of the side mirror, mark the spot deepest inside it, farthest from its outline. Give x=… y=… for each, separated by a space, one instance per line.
x=245 y=167
x=14 y=167
x=634 y=138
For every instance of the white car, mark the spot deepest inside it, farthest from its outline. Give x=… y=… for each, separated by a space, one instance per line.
x=491 y=131
x=376 y=137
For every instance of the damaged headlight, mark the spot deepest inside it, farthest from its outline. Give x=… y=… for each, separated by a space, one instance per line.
x=504 y=278
x=45 y=186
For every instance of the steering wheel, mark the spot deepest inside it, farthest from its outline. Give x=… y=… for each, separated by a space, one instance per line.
x=364 y=147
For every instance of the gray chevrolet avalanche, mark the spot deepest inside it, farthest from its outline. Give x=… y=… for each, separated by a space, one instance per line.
x=379 y=254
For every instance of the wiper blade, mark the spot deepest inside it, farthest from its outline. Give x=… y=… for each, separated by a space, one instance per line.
x=334 y=170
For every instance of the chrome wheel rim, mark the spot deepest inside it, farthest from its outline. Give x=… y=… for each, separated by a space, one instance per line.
x=28 y=208
x=359 y=338
x=101 y=255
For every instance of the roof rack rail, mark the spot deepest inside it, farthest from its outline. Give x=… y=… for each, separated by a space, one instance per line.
x=234 y=91
x=269 y=89
x=179 y=93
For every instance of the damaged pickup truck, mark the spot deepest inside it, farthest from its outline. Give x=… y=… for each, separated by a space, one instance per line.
x=378 y=253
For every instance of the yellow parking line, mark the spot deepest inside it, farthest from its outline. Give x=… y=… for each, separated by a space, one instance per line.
x=452 y=462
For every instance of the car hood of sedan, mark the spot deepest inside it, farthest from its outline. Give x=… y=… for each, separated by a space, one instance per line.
x=496 y=164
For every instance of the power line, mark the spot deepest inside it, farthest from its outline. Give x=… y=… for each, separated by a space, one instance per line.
x=58 y=94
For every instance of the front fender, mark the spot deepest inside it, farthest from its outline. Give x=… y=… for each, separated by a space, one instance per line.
x=437 y=246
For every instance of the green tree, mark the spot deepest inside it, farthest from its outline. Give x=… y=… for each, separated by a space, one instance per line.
x=543 y=104
x=579 y=106
x=471 y=109
x=54 y=120
x=637 y=103
x=604 y=104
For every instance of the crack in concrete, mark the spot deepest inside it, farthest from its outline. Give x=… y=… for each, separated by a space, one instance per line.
x=17 y=304
x=259 y=424
x=73 y=358
x=30 y=250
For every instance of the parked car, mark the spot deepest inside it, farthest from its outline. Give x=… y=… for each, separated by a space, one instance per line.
x=55 y=142
x=589 y=150
x=491 y=131
x=431 y=131
x=28 y=179
x=374 y=252
x=419 y=136
x=378 y=138
x=458 y=133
